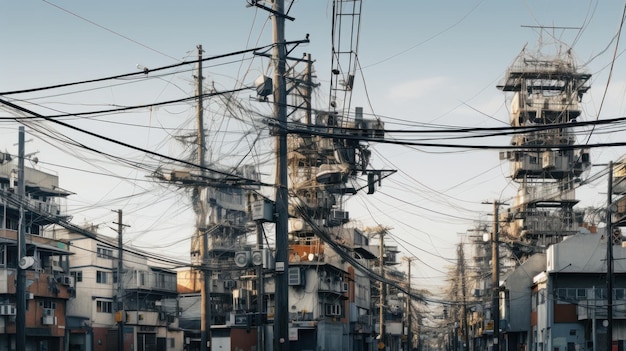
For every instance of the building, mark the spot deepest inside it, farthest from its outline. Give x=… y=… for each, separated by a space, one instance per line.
x=515 y=313
x=49 y=287
x=558 y=300
x=148 y=296
x=546 y=99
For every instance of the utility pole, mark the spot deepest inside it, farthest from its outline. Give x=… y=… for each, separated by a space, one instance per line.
x=120 y=286
x=260 y=291
x=495 y=274
x=281 y=301
x=381 y=303
x=20 y=291
x=205 y=319
x=308 y=74
x=495 y=277
x=409 y=317
x=609 y=260
x=461 y=264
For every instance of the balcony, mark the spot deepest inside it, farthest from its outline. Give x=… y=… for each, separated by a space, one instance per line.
x=150 y=318
x=306 y=250
x=44 y=285
x=596 y=309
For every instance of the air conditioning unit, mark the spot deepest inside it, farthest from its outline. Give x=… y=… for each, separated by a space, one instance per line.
x=67 y=280
x=295 y=277
x=242 y=258
x=339 y=216
x=333 y=309
x=262 y=257
x=49 y=320
x=257 y=257
x=7 y=310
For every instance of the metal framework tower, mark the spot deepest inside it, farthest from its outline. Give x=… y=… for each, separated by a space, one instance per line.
x=546 y=98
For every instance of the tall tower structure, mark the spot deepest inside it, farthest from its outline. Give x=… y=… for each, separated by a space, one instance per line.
x=546 y=97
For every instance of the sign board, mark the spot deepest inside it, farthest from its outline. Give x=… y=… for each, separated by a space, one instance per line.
x=293 y=334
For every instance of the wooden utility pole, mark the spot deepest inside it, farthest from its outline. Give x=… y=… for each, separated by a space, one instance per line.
x=281 y=302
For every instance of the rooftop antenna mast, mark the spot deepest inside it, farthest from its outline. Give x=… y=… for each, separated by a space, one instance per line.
x=345 y=37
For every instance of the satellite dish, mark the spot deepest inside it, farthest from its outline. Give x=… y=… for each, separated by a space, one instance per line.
x=26 y=262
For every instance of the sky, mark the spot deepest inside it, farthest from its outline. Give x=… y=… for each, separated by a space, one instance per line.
x=422 y=65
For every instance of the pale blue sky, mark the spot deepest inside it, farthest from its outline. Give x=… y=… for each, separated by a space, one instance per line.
x=423 y=62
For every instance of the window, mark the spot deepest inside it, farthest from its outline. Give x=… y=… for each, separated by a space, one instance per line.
x=620 y=294
x=48 y=304
x=78 y=276
x=104 y=306
x=101 y=277
x=172 y=343
x=105 y=253
x=600 y=293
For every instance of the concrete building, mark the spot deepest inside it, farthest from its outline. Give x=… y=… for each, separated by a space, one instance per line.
x=558 y=300
x=516 y=292
x=148 y=296
x=49 y=287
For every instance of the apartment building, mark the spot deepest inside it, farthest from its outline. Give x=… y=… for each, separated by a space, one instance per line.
x=146 y=302
x=49 y=287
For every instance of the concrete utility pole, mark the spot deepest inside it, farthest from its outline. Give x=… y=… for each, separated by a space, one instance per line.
x=205 y=313
x=461 y=265
x=409 y=317
x=495 y=276
x=281 y=300
x=120 y=286
x=20 y=291
x=260 y=299
x=495 y=273
x=381 y=303
x=609 y=261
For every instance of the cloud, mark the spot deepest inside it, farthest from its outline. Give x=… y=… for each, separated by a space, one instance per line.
x=417 y=88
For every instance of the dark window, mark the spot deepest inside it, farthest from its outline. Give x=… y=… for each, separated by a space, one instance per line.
x=101 y=277
x=104 y=306
x=78 y=276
